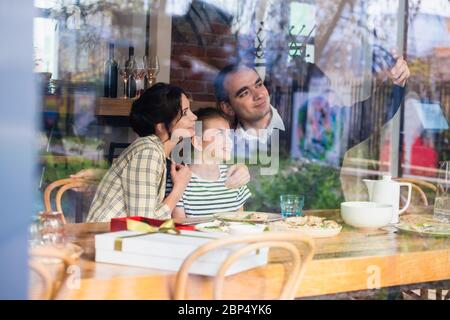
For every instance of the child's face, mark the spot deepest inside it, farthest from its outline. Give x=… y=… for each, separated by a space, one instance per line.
x=216 y=141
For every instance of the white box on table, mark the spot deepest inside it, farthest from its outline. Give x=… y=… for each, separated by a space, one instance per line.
x=167 y=252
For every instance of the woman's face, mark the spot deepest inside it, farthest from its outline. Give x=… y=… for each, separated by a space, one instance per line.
x=184 y=124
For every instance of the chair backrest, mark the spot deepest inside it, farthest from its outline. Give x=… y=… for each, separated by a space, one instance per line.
x=112 y=150
x=283 y=240
x=51 y=281
x=64 y=185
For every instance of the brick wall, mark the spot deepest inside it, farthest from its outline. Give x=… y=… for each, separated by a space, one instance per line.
x=202 y=44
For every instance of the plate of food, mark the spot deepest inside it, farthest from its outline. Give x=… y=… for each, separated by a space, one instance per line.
x=315 y=227
x=248 y=216
x=424 y=225
x=232 y=228
x=213 y=226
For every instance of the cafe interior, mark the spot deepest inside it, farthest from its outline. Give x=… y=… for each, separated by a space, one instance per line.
x=356 y=204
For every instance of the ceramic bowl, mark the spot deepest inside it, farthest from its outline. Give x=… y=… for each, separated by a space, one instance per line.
x=366 y=215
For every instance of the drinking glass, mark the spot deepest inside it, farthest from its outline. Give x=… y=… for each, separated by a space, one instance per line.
x=442 y=200
x=34 y=232
x=291 y=205
x=52 y=228
x=151 y=66
x=139 y=74
x=123 y=74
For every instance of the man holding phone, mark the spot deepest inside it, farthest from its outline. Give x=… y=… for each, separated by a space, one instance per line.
x=242 y=95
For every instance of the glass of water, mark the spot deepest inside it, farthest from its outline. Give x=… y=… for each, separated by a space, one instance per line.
x=291 y=205
x=34 y=232
x=52 y=228
x=442 y=200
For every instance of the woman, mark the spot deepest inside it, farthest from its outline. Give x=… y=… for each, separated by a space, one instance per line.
x=135 y=184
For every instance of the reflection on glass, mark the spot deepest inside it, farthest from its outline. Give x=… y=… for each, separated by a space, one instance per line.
x=334 y=103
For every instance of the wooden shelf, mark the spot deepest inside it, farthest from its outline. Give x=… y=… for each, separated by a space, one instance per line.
x=120 y=107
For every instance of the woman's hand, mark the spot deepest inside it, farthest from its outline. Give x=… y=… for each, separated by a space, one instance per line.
x=180 y=174
x=237 y=176
x=90 y=174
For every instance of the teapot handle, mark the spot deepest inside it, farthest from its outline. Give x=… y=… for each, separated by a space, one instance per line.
x=408 y=201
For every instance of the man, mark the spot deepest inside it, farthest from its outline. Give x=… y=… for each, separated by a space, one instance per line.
x=241 y=94
x=243 y=97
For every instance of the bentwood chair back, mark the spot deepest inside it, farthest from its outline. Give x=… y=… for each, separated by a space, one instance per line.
x=64 y=185
x=299 y=247
x=50 y=278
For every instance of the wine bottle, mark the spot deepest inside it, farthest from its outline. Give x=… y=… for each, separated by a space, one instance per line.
x=130 y=66
x=111 y=71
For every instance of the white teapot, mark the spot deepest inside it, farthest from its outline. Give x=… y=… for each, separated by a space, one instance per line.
x=387 y=191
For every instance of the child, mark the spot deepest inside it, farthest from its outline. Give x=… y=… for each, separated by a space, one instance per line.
x=206 y=192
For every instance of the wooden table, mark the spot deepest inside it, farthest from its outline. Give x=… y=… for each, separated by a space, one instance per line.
x=352 y=261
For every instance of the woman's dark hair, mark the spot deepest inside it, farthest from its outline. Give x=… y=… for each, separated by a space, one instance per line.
x=159 y=104
x=209 y=113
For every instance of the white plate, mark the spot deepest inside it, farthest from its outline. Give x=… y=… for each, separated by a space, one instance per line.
x=246 y=228
x=213 y=226
x=243 y=216
x=423 y=225
x=218 y=226
x=310 y=231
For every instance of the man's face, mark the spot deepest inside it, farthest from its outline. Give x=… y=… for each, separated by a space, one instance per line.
x=248 y=97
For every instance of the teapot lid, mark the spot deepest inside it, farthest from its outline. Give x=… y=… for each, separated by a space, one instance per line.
x=387 y=178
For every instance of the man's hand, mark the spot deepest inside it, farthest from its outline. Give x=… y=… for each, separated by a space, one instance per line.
x=400 y=72
x=237 y=176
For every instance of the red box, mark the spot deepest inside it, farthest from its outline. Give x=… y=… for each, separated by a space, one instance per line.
x=120 y=224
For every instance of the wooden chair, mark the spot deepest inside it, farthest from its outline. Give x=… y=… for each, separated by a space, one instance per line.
x=112 y=150
x=50 y=286
x=64 y=185
x=251 y=243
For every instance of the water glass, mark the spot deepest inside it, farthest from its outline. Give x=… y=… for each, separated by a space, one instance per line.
x=442 y=200
x=52 y=228
x=34 y=232
x=291 y=205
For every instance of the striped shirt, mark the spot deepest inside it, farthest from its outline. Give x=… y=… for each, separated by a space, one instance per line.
x=202 y=197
